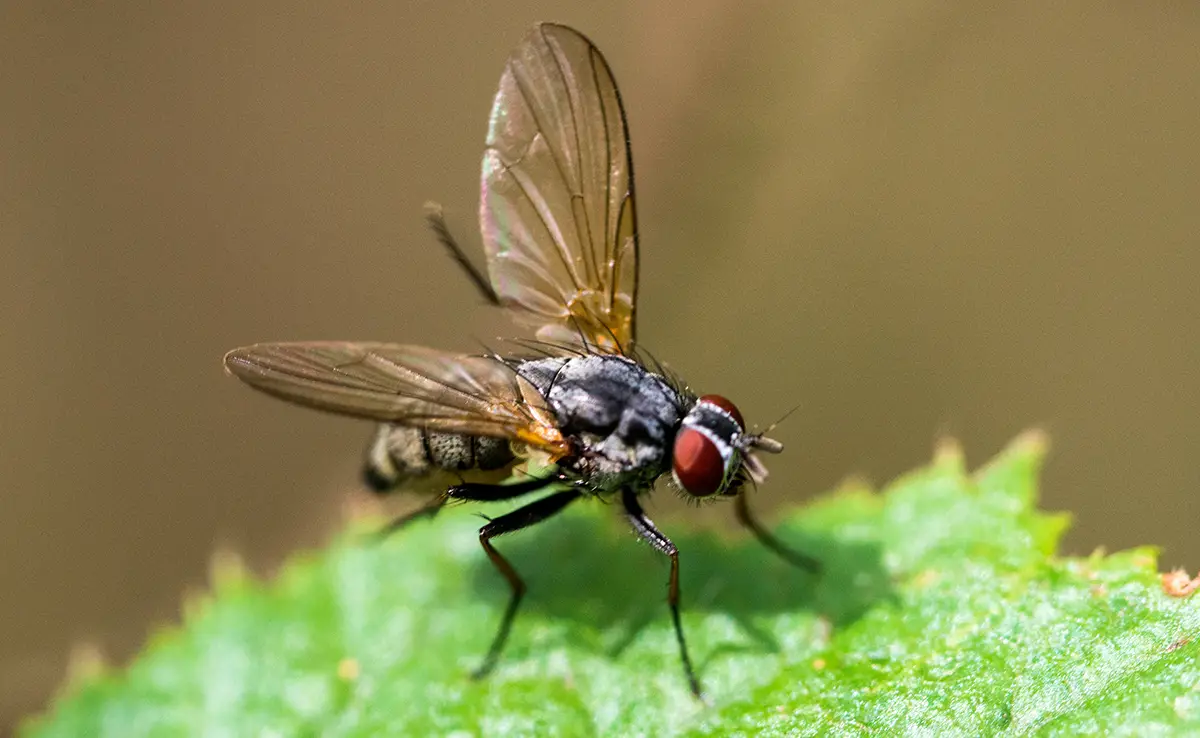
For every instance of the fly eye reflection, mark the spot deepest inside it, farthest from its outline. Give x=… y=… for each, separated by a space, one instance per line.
x=703 y=459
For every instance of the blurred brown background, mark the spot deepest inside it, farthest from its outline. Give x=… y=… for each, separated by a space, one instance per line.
x=912 y=220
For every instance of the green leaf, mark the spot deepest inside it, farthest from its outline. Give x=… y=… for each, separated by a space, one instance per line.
x=942 y=610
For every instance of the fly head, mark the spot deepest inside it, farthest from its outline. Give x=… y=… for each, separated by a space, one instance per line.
x=713 y=454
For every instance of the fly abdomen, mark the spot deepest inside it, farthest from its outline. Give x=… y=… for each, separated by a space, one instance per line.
x=399 y=453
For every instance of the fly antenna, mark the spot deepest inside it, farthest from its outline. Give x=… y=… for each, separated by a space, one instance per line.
x=761 y=442
x=782 y=418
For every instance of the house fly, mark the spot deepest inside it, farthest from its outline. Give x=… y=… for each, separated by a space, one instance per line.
x=581 y=397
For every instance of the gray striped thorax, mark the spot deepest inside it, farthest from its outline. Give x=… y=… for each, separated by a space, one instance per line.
x=621 y=417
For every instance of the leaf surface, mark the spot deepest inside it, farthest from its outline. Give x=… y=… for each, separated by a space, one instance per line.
x=942 y=610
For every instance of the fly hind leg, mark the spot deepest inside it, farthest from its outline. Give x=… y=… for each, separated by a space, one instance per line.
x=523 y=517
x=531 y=514
x=437 y=224
x=474 y=491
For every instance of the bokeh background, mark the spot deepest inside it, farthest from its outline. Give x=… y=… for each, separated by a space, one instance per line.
x=913 y=219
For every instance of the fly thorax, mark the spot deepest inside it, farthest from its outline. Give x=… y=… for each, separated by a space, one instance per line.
x=620 y=415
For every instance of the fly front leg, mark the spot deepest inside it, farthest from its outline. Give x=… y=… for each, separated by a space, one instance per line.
x=437 y=223
x=531 y=514
x=795 y=558
x=644 y=527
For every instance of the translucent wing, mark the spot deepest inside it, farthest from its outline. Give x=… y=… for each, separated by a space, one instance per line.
x=407 y=385
x=557 y=209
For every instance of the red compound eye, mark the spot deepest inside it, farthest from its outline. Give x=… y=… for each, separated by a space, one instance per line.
x=697 y=463
x=727 y=406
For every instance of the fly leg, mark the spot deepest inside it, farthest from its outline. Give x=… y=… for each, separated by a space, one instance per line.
x=437 y=223
x=795 y=558
x=644 y=527
x=483 y=492
x=524 y=517
x=468 y=491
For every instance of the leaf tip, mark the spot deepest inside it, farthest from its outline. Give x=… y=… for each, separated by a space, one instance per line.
x=948 y=453
x=226 y=568
x=1031 y=442
x=193 y=602
x=85 y=663
x=853 y=483
x=1013 y=473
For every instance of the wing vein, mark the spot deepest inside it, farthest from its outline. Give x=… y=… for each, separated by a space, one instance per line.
x=586 y=237
x=562 y=253
x=557 y=210
x=563 y=250
x=609 y=239
x=429 y=378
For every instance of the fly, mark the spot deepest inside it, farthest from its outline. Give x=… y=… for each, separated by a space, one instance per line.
x=559 y=229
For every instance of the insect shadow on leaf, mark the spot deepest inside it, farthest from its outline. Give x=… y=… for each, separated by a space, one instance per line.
x=596 y=574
